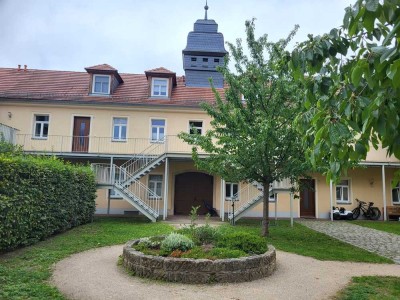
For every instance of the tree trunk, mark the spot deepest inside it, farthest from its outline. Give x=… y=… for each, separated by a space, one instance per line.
x=265 y=220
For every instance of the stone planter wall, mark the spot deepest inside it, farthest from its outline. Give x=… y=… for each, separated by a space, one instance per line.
x=188 y=270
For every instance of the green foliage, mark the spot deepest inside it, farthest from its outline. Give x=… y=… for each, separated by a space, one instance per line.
x=249 y=243
x=42 y=196
x=193 y=215
x=176 y=241
x=304 y=241
x=254 y=139
x=351 y=81
x=8 y=148
x=153 y=242
x=25 y=274
x=391 y=227
x=371 y=287
x=205 y=234
x=227 y=253
x=214 y=253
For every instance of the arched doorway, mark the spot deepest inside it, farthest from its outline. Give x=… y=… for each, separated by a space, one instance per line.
x=193 y=189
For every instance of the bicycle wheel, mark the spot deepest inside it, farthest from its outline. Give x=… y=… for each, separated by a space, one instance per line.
x=356 y=213
x=375 y=213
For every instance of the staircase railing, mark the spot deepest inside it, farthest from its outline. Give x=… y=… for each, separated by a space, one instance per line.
x=139 y=194
x=248 y=196
x=148 y=198
x=103 y=173
x=243 y=199
x=145 y=158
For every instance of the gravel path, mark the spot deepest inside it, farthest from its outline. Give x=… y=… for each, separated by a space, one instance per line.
x=380 y=242
x=94 y=274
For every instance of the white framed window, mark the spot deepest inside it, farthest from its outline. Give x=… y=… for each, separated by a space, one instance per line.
x=196 y=127
x=119 y=129
x=159 y=87
x=396 y=194
x=155 y=184
x=101 y=84
x=157 y=130
x=343 y=191
x=231 y=189
x=272 y=197
x=118 y=176
x=41 y=126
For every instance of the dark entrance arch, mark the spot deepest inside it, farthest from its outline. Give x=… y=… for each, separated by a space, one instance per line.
x=193 y=189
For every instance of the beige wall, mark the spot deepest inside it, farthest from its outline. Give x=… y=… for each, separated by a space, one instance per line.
x=366 y=184
x=138 y=126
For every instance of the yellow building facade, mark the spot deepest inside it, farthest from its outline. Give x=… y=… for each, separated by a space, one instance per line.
x=126 y=127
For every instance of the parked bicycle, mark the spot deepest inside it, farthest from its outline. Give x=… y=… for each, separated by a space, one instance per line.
x=369 y=211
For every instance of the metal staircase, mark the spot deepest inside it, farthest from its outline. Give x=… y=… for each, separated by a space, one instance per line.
x=125 y=179
x=251 y=195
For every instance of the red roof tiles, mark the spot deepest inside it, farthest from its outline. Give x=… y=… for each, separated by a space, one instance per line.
x=103 y=67
x=160 y=70
x=35 y=85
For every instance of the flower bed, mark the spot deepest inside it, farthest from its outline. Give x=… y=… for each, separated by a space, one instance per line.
x=189 y=270
x=201 y=255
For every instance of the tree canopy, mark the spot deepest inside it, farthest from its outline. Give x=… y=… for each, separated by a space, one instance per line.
x=252 y=137
x=351 y=80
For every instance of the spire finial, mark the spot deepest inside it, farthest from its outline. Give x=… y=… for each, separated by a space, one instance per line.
x=205 y=8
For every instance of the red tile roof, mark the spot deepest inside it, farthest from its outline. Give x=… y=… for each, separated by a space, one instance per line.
x=103 y=67
x=35 y=85
x=160 y=70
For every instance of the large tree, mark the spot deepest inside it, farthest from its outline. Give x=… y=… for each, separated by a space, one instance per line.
x=351 y=77
x=252 y=137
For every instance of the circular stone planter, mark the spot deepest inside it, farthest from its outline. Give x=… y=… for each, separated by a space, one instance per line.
x=189 y=270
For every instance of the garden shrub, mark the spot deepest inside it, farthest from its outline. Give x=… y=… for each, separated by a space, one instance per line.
x=205 y=234
x=215 y=253
x=227 y=253
x=249 y=243
x=176 y=241
x=41 y=196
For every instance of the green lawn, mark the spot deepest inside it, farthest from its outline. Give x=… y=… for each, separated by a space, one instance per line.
x=24 y=273
x=307 y=242
x=371 y=288
x=389 y=226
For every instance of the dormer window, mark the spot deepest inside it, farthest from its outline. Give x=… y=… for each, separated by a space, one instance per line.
x=159 y=87
x=101 y=84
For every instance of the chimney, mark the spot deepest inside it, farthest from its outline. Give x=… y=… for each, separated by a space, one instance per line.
x=19 y=67
x=25 y=68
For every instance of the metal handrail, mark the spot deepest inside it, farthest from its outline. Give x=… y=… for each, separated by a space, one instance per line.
x=116 y=176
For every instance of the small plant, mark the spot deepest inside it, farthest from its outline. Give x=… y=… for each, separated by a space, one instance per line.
x=153 y=242
x=249 y=243
x=176 y=241
x=194 y=216
x=208 y=216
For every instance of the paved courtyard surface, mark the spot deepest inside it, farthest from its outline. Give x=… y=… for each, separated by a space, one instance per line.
x=380 y=242
x=94 y=274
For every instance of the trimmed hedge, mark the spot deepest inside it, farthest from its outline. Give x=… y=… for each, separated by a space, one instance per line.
x=41 y=196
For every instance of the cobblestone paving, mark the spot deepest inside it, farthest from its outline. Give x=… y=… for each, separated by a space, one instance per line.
x=380 y=242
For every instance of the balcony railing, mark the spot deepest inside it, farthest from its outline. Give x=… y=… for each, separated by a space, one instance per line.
x=8 y=134
x=60 y=144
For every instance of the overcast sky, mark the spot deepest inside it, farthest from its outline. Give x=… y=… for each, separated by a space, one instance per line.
x=134 y=36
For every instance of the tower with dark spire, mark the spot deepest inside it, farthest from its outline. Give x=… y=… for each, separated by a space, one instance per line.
x=203 y=53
